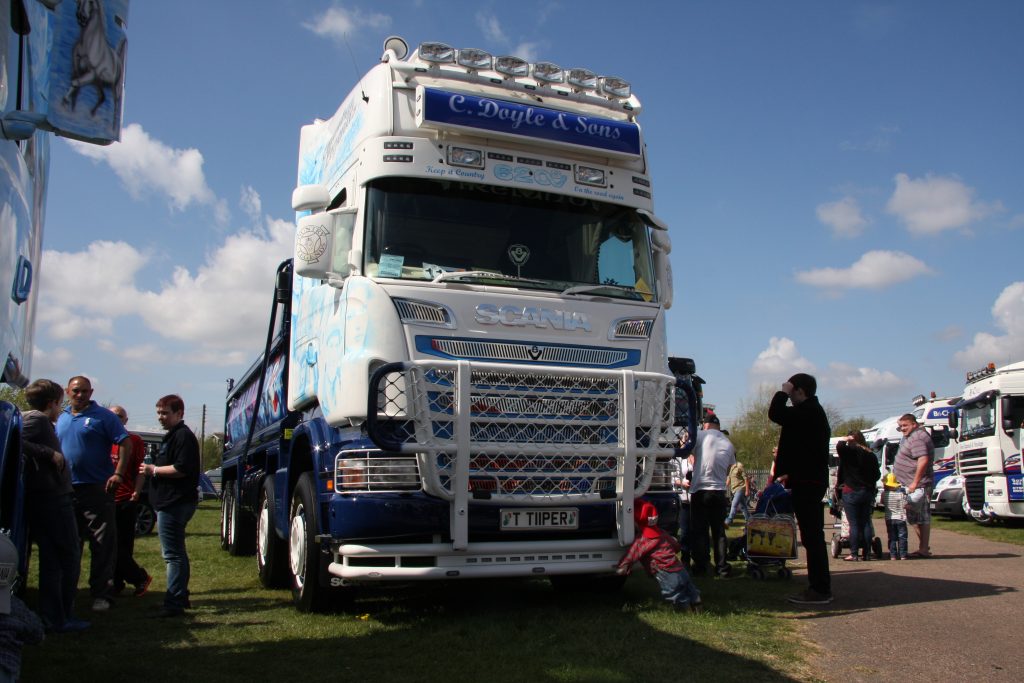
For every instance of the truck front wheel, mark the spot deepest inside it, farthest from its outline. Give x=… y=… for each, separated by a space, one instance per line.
x=238 y=530
x=304 y=552
x=271 y=551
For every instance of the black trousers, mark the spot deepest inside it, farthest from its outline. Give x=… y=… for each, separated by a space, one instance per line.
x=126 y=570
x=810 y=517
x=707 y=514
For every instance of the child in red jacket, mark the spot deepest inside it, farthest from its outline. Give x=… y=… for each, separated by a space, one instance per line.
x=656 y=551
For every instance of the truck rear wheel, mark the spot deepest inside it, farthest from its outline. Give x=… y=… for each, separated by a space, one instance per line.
x=271 y=551
x=304 y=553
x=238 y=529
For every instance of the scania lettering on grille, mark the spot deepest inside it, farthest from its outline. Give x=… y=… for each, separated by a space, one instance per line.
x=523 y=316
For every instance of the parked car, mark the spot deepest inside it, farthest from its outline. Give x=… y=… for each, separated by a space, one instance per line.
x=948 y=497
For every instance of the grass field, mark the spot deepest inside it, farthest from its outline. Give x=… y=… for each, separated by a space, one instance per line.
x=1004 y=532
x=456 y=631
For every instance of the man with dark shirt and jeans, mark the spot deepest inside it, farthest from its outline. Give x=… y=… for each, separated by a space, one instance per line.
x=174 y=481
x=801 y=465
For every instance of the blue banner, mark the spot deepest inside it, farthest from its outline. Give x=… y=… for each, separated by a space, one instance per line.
x=513 y=118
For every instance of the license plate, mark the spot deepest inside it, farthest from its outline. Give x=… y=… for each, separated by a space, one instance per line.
x=539 y=518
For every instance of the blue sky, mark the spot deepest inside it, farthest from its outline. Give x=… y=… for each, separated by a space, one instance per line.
x=842 y=181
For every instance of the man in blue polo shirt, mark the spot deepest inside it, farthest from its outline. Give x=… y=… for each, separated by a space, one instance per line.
x=87 y=433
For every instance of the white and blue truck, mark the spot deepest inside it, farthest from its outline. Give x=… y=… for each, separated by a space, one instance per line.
x=61 y=72
x=465 y=372
x=990 y=422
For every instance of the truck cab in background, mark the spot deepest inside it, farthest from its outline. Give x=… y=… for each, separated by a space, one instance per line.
x=989 y=420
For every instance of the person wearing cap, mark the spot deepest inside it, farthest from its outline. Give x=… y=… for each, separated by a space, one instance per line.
x=19 y=626
x=714 y=454
x=801 y=465
x=50 y=508
x=657 y=551
x=88 y=432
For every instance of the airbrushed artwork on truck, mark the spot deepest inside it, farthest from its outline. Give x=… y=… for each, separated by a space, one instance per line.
x=322 y=158
x=330 y=330
x=272 y=407
x=88 y=68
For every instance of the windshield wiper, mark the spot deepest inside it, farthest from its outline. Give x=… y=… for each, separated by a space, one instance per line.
x=584 y=289
x=486 y=274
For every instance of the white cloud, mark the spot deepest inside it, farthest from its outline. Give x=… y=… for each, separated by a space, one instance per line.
x=146 y=165
x=221 y=309
x=337 y=22
x=778 y=362
x=489 y=24
x=932 y=204
x=225 y=304
x=251 y=203
x=1008 y=314
x=46 y=363
x=843 y=216
x=527 y=51
x=873 y=270
x=847 y=377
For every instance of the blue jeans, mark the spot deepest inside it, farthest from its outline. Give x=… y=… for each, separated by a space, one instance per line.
x=677 y=588
x=739 y=502
x=171 y=522
x=857 y=506
x=897 y=529
x=54 y=528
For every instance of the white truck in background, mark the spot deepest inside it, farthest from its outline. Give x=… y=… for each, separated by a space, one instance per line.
x=989 y=420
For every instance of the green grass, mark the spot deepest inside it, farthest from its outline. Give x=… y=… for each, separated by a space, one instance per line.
x=456 y=631
x=1004 y=532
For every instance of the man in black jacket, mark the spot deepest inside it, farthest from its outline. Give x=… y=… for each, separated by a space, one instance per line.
x=801 y=465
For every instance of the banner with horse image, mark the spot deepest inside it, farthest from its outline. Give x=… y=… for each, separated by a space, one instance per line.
x=771 y=537
x=87 y=69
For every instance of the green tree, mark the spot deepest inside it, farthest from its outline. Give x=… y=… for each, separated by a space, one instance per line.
x=13 y=395
x=755 y=436
x=752 y=433
x=213 y=448
x=844 y=427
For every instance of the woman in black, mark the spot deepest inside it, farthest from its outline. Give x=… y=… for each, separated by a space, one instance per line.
x=855 y=484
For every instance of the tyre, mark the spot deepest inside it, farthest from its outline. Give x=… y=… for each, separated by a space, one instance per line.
x=271 y=551
x=227 y=505
x=304 y=553
x=146 y=521
x=239 y=532
x=837 y=547
x=786 y=573
x=755 y=573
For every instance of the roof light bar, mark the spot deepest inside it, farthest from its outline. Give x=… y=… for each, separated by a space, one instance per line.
x=512 y=66
x=981 y=372
x=437 y=53
x=613 y=86
x=548 y=72
x=472 y=58
x=584 y=79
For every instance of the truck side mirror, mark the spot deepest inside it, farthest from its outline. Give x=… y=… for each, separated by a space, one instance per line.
x=662 y=266
x=310 y=198
x=953 y=419
x=323 y=242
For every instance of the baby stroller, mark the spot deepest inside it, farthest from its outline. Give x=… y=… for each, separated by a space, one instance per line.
x=771 y=535
x=841 y=540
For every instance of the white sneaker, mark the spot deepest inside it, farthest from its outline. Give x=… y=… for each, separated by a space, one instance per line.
x=100 y=605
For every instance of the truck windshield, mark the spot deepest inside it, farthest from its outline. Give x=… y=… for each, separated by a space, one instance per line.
x=420 y=229
x=979 y=419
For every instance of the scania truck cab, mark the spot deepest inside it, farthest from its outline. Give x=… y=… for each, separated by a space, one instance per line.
x=469 y=377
